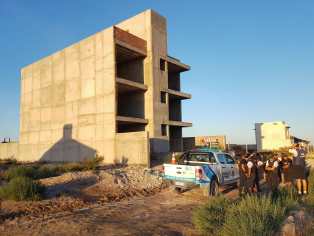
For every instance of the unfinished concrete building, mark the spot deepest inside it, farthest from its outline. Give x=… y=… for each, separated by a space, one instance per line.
x=115 y=93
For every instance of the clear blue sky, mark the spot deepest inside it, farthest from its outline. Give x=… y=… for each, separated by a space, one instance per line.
x=251 y=61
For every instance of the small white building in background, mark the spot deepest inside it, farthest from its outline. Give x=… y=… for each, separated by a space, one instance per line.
x=272 y=135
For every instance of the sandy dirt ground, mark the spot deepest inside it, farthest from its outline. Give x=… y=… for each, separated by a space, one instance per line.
x=165 y=213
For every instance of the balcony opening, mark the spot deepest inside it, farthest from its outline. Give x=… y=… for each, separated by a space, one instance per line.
x=175 y=113
x=131 y=104
x=126 y=128
x=129 y=64
x=163 y=97
x=175 y=139
x=164 y=130
x=174 y=81
x=162 y=64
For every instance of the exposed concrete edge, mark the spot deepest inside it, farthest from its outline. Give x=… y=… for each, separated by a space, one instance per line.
x=172 y=60
x=180 y=94
x=125 y=45
x=131 y=83
x=130 y=119
x=178 y=123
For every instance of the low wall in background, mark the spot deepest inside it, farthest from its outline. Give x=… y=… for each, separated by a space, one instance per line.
x=9 y=150
x=133 y=148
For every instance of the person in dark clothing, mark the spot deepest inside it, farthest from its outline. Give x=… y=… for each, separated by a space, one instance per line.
x=286 y=170
x=243 y=171
x=254 y=163
x=299 y=168
x=272 y=177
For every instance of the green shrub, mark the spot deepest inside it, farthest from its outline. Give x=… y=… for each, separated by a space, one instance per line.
x=19 y=171
x=33 y=172
x=286 y=198
x=209 y=219
x=8 y=161
x=22 y=188
x=253 y=216
x=91 y=164
x=309 y=200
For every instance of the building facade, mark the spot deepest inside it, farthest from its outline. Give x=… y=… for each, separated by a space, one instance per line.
x=272 y=135
x=116 y=93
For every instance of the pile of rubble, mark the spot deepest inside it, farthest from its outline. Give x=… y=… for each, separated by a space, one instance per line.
x=76 y=190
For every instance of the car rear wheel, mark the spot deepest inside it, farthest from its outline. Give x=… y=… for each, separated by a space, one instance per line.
x=213 y=188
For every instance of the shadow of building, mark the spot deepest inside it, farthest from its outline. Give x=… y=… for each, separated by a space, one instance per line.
x=68 y=149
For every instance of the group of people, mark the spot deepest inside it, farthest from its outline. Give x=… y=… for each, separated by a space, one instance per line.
x=281 y=168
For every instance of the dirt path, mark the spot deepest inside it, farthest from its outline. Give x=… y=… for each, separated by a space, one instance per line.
x=165 y=213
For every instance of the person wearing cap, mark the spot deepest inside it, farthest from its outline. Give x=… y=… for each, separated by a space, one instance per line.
x=299 y=168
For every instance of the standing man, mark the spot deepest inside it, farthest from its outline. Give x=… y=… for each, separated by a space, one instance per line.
x=243 y=172
x=299 y=168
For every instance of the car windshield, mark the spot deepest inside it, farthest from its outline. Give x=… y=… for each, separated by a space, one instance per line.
x=221 y=158
x=202 y=157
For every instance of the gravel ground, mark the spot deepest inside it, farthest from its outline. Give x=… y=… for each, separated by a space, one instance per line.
x=72 y=191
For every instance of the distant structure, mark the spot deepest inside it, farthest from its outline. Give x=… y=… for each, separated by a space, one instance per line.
x=275 y=135
x=218 y=141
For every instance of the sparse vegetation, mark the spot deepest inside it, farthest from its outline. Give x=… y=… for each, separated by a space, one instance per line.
x=22 y=188
x=209 y=218
x=252 y=215
x=40 y=171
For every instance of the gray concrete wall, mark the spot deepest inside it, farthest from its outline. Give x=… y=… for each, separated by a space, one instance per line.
x=75 y=88
x=133 y=148
x=8 y=150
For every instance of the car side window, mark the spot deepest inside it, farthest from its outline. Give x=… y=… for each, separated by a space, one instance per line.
x=222 y=158
x=229 y=159
x=199 y=157
x=211 y=158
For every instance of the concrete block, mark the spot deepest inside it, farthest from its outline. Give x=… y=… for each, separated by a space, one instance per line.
x=59 y=94
x=87 y=47
x=46 y=96
x=58 y=117
x=45 y=73
x=34 y=120
x=23 y=139
x=87 y=106
x=87 y=67
x=100 y=104
x=72 y=69
x=87 y=120
x=71 y=113
x=45 y=136
x=87 y=88
x=28 y=98
x=58 y=66
x=99 y=119
x=45 y=117
x=86 y=133
x=99 y=132
x=36 y=99
x=34 y=137
x=28 y=86
x=99 y=64
x=99 y=79
x=73 y=90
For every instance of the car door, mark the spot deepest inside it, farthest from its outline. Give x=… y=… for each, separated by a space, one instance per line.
x=233 y=168
x=223 y=168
